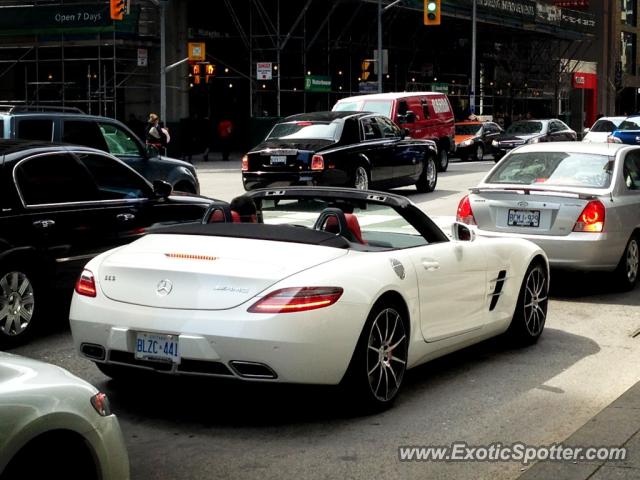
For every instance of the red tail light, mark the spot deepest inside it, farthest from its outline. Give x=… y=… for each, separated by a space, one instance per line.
x=245 y=163
x=86 y=284
x=317 y=162
x=465 y=214
x=591 y=219
x=297 y=299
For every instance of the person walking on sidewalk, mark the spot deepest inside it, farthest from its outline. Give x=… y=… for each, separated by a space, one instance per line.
x=157 y=135
x=225 y=131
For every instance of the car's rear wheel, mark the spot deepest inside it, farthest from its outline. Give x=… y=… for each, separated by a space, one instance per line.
x=361 y=178
x=443 y=158
x=627 y=271
x=379 y=362
x=428 y=177
x=19 y=291
x=479 y=153
x=530 y=315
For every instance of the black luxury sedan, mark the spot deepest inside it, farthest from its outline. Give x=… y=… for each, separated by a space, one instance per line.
x=354 y=149
x=59 y=207
x=531 y=131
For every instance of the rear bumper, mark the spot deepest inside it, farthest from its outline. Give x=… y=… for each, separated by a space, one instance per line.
x=310 y=347
x=253 y=180
x=576 y=251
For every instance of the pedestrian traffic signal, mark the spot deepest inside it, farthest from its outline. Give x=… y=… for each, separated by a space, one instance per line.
x=431 y=12
x=117 y=9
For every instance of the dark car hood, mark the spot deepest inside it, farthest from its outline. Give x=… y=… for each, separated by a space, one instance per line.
x=311 y=145
x=507 y=137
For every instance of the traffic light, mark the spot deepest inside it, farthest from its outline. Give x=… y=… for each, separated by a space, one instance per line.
x=365 y=70
x=210 y=71
x=431 y=12
x=117 y=9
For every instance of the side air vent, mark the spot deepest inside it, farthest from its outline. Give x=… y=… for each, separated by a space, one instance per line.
x=497 y=291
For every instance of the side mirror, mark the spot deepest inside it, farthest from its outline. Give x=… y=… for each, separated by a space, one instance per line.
x=162 y=189
x=586 y=130
x=462 y=232
x=410 y=117
x=151 y=151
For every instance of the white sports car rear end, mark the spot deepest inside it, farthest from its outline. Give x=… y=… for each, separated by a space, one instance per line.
x=331 y=285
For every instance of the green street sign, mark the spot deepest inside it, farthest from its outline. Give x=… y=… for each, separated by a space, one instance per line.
x=317 y=83
x=440 y=87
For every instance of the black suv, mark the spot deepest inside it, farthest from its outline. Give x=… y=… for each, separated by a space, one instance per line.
x=59 y=207
x=70 y=125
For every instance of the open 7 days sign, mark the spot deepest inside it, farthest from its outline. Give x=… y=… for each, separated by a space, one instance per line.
x=317 y=83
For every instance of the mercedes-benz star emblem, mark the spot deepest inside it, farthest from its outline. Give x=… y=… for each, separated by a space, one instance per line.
x=164 y=288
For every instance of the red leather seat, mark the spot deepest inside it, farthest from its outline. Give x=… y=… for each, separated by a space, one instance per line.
x=235 y=217
x=331 y=225
x=354 y=227
x=216 y=216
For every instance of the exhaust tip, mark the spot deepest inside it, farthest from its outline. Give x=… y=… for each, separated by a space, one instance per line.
x=252 y=370
x=91 y=350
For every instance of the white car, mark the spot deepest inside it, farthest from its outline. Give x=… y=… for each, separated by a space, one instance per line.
x=55 y=425
x=331 y=285
x=602 y=129
x=580 y=202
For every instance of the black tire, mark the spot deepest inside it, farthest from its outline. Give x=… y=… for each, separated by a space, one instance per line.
x=626 y=273
x=478 y=155
x=376 y=371
x=530 y=315
x=21 y=303
x=429 y=176
x=361 y=178
x=443 y=158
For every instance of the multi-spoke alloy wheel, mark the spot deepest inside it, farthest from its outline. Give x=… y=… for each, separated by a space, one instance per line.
x=632 y=261
x=535 y=301
x=531 y=310
x=627 y=270
x=361 y=178
x=386 y=354
x=429 y=177
x=16 y=303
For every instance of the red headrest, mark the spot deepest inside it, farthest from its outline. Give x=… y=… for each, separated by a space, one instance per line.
x=332 y=225
x=235 y=217
x=354 y=227
x=216 y=216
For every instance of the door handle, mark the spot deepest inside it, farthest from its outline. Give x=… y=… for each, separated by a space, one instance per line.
x=125 y=217
x=430 y=265
x=44 y=224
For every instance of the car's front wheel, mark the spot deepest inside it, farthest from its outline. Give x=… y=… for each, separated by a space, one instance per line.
x=627 y=271
x=429 y=176
x=380 y=359
x=19 y=291
x=479 y=153
x=531 y=310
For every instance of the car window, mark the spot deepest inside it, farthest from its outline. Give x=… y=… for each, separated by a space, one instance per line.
x=54 y=178
x=525 y=128
x=2 y=128
x=35 y=129
x=387 y=128
x=425 y=108
x=83 y=132
x=119 y=141
x=346 y=107
x=603 y=126
x=556 y=126
x=468 y=128
x=630 y=124
x=567 y=169
x=114 y=180
x=370 y=128
x=631 y=170
x=378 y=106
x=305 y=129
x=350 y=133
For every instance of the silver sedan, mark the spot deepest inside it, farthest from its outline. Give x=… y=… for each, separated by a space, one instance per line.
x=579 y=202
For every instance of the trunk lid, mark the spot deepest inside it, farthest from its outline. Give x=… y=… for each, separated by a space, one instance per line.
x=538 y=211
x=203 y=272
x=279 y=156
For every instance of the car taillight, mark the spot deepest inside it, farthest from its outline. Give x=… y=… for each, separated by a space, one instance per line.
x=612 y=139
x=591 y=219
x=86 y=284
x=317 y=162
x=465 y=214
x=297 y=299
x=100 y=403
x=245 y=163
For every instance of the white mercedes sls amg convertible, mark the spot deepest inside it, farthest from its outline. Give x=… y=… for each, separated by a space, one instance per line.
x=326 y=285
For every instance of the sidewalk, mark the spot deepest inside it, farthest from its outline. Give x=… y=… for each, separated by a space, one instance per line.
x=618 y=425
x=215 y=161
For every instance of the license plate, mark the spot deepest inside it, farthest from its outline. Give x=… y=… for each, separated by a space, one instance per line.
x=523 y=218
x=153 y=346
x=278 y=159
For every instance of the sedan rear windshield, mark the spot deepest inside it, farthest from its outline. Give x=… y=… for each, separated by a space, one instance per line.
x=468 y=129
x=603 y=126
x=566 y=169
x=306 y=130
x=525 y=128
x=630 y=124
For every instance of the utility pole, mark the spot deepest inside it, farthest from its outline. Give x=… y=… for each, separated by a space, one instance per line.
x=379 y=60
x=472 y=87
x=163 y=63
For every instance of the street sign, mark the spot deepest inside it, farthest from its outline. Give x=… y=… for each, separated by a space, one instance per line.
x=440 y=87
x=264 y=71
x=143 y=57
x=317 y=83
x=196 y=52
x=368 y=87
x=385 y=61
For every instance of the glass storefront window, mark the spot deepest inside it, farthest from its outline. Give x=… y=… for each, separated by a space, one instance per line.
x=628 y=12
x=628 y=52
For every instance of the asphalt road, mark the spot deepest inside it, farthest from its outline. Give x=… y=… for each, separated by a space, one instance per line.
x=488 y=393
